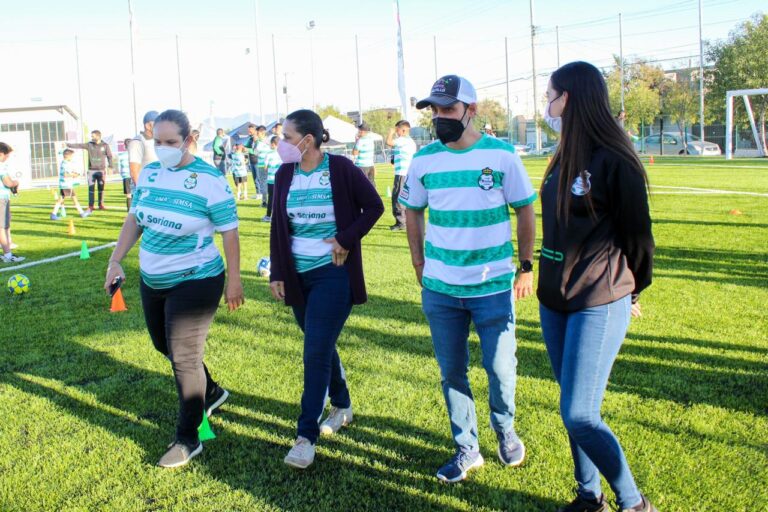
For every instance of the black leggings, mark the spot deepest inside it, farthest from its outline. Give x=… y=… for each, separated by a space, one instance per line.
x=178 y=319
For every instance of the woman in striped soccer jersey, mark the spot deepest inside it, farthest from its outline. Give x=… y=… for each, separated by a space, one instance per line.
x=179 y=203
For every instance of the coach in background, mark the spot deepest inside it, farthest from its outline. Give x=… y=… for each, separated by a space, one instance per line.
x=99 y=163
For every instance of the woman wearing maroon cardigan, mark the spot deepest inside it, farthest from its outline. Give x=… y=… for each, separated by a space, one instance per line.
x=323 y=207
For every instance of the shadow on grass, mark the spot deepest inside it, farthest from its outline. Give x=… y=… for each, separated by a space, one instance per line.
x=722 y=380
x=380 y=463
x=743 y=268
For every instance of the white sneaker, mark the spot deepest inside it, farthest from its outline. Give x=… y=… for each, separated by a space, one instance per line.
x=12 y=258
x=302 y=455
x=336 y=419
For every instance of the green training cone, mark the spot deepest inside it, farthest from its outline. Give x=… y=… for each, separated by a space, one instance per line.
x=204 y=431
x=84 y=252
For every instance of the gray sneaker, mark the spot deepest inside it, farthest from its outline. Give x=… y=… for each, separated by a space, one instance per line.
x=179 y=454
x=336 y=419
x=643 y=506
x=12 y=258
x=302 y=455
x=511 y=449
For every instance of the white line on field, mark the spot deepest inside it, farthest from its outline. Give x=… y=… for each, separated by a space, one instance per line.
x=710 y=191
x=55 y=258
x=695 y=191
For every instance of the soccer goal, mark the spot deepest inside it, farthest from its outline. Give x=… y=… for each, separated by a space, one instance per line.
x=745 y=94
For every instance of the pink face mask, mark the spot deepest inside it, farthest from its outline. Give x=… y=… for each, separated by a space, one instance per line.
x=289 y=153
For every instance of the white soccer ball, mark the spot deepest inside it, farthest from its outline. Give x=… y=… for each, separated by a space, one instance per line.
x=264 y=267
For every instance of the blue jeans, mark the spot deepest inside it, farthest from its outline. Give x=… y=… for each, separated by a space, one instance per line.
x=259 y=179
x=494 y=319
x=582 y=347
x=328 y=302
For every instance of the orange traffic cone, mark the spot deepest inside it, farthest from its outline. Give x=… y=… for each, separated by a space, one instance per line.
x=650 y=162
x=118 y=304
x=71 y=228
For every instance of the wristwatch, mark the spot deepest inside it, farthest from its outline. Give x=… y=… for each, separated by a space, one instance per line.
x=526 y=266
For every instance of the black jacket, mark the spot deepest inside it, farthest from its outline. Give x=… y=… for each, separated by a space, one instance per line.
x=99 y=155
x=593 y=260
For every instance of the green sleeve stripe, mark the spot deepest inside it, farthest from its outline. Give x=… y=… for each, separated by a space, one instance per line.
x=524 y=202
x=410 y=206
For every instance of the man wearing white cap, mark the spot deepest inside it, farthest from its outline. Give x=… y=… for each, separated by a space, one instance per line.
x=469 y=181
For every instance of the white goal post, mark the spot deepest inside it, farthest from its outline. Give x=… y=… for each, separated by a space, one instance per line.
x=745 y=94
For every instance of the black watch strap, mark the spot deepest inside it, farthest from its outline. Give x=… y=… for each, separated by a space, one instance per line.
x=526 y=266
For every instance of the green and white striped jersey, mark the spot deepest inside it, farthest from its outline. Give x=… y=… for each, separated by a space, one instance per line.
x=311 y=217
x=365 y=146
x=468 y=250
x=68 y=175
x=403 y=152
x=273 y=163
x=178 y=211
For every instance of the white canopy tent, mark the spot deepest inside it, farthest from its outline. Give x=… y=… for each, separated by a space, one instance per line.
x=344 y=132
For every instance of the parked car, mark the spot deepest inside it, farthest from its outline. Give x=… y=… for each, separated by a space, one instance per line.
x=673 y=145
x=547 y=148
x=521 y=149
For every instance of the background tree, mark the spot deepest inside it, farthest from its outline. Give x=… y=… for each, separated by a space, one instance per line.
x=740 y=62
x=491 y=111
x=681 y=103
x=641 y=92
x=381 y=121
x=330 y=110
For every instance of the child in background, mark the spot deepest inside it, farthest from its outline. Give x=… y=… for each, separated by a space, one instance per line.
x=240 y=171
x=272 y=162
x=125 y=174
x=68 y=176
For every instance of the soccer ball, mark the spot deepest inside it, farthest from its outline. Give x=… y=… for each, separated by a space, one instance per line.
x=18 y=284
x=264 y=266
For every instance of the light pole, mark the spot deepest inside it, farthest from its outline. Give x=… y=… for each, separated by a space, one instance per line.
x=310 y=26
x=258 y=58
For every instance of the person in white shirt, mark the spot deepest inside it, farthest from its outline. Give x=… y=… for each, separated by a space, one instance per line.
x=403 y=149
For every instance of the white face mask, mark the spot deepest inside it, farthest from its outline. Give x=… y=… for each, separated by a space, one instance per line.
x=169 y=156
x=556 y=123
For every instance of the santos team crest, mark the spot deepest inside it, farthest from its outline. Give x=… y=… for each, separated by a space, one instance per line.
x=191 y=182
x=579 y=187
x=485 y=181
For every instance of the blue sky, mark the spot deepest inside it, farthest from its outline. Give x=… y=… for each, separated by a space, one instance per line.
x=37 y=40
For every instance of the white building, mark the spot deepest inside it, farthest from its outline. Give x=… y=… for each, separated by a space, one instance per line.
x=46 y=126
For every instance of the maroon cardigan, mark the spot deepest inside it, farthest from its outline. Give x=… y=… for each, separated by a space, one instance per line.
x=356 y=205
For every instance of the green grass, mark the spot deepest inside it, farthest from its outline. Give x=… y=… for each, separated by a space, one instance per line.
x=88 y=406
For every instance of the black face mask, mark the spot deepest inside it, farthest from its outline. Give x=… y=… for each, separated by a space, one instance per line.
x=449 y=130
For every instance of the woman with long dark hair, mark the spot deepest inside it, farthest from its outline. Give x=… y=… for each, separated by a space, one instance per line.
x=596 y=258
x=323 y=207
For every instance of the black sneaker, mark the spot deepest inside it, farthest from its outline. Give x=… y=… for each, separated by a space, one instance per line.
x=214 y=399
x=179 y=454
x=644 y=506
x=585 y=505
x=397 y=227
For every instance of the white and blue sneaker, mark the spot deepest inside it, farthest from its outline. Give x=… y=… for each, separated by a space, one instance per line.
x=456 y=469
x=511 y=449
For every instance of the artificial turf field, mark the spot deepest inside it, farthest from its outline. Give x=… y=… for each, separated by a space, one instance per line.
x=87 y=406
